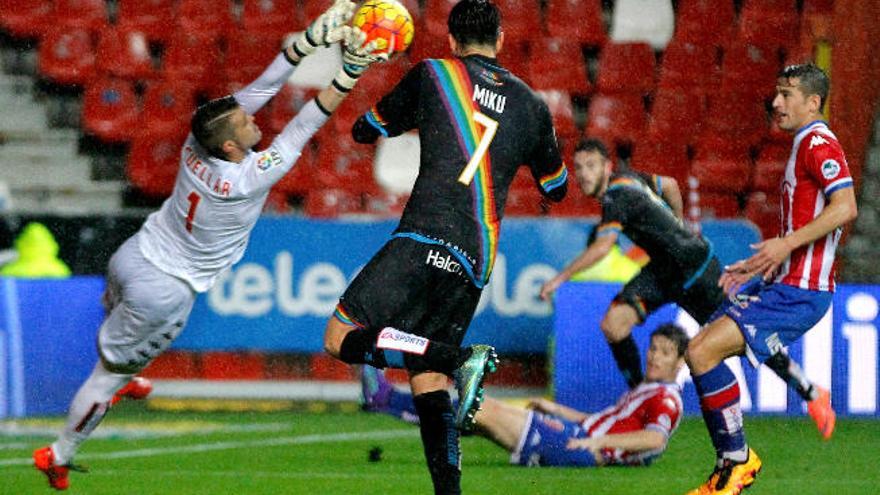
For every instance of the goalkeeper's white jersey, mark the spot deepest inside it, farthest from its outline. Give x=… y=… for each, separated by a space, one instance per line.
x=204 y=226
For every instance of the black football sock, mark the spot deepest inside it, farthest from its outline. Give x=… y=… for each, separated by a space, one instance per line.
x=440 y=439
x=626 y=353
x=362 y=346
x=793 y=375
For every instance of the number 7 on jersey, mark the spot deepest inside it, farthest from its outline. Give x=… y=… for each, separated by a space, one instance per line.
x=491 y=125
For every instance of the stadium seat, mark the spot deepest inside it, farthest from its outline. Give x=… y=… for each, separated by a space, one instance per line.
x=247 y=55
x=25 y=18
x=626 y=67
x=168 y=106
x=125 y=54
x=559 y=104
x=618 y=118
x=153 y=161
x=151 y=17
x=521 y=20
x=191 y=59
x=769 y=23
x=523 y=203
x=649 y=21
x=90 y=15
x=303 y=177
x=749 y=68
x=770 y=167
x=763 y=210
x=575 y=204
x=426 y=46
x=66 y=56
x=690 y=67
x=558 y=64
x=110 y=110
x=716 y=205
x=210 y=19
x=434 y=16
x=271 y=17
x=589 y=28
x=515 y=58
x=344 y=164
x=705 y=22
x=816 y=21
x=283 y=107
x=332 y=203
x=737 y=117
x=721 y=165
x=676 y=116
x=662 y=157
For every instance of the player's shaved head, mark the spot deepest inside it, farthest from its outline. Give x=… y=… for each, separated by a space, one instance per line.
x=211 y=125
x=475 y=22
x=811 y=80
x=674 y=333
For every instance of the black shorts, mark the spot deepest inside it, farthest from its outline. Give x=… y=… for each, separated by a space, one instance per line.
x=416 y=288
x=655 y=286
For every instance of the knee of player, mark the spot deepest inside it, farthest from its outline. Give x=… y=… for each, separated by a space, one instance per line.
x=614 y=331
x=697 y=356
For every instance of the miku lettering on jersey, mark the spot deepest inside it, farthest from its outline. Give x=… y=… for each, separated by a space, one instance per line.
x=204 y=174
x=489 y=99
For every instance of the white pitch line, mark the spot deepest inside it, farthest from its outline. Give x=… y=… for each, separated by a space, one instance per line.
x=151 y=430
x=244 y=444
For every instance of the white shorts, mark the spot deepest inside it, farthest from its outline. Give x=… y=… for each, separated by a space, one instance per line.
x=146 y=310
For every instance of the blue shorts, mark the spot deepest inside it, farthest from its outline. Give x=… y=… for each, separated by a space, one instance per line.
x=772 y=316
x=543 y=443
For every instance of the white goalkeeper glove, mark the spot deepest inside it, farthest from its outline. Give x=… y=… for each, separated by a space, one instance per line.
x=327 y=29
x=357 y=55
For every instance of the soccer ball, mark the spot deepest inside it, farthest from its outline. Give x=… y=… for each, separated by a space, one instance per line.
x=387 y=21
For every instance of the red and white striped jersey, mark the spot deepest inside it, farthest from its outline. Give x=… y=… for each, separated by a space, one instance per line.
x=816 y=168
x=653 y=406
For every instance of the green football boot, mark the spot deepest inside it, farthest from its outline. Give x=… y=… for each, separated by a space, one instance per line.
x=469 y=383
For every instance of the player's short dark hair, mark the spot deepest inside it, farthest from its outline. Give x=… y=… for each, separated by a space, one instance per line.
x=474 y=22
x=674 y=333
x=812 y=80
x=211 y=126
x=592 y=144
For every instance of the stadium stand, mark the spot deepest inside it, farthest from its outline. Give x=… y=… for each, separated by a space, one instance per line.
x=151 y=17
x=110 y=110
x=590 y=28
x=649 y=21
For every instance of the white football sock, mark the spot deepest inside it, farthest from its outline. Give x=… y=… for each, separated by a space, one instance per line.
x=87 y=410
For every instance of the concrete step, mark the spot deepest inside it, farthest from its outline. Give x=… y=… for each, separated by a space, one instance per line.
x=88 y=198
x=27 y=165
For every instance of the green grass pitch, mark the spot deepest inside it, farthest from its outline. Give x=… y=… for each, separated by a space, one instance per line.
x=143 y=452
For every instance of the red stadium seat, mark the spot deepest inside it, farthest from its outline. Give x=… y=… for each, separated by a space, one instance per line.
x=110 y=110
x=434 y=16
x=151 y=17
x=626 y=67
x=153 y=163
x=717 y=205
x=589 y=28
x=191 y=59
x=575 y=204
x=705 y=22
x=769 y=23
x=690 y=67
x=721 y=166
x=770 y=168
x=427 y=46
x=247 y=55
x=25 y=18
x=619 y=118
x=558 y=64
x=523 y=203
x=749 y=69
x=676 y=116
x=271 y=17
x=124 y=54
x=211 y=19
x=763 y=210
x=303 y=177
x=515 y=58
x=90 y=15
x=559 y=104
x=520 y=19
x=332 y=203
x=168 y=106
x=345 y=164
x=66 y=56
x=737 y=117
x=661 y=157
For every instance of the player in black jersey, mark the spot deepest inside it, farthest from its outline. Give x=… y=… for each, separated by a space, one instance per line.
x=683 y=268
x=412 y=303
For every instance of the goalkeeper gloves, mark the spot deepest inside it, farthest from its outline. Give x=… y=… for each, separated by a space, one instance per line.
x=327 y=29
x=357 y=55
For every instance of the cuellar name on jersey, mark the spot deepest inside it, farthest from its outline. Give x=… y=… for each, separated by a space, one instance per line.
x=200 y=171
x=489 y=99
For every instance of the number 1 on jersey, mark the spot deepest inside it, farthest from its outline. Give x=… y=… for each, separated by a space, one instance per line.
x=491 y=125
x=194 y=199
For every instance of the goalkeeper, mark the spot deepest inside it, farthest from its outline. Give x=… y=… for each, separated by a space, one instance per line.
x=201 y=230
x=632 y=432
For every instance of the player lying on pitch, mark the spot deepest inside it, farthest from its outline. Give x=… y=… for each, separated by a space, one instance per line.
x=632 y=432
